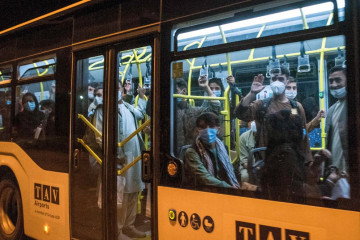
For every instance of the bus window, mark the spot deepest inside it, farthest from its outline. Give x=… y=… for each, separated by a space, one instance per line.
x=34 y=128
x=5 y=74
x=255 y=120
x=134 y=81
x=37 y=69
x=86 y=182
x=260 y=24
x=5 y=110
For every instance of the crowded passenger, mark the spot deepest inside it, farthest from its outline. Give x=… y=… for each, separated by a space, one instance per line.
x=246 y=144
x=291 y=93
x=28 y=123
x=91 y=96
x=48 y=108
x=128 y=118
x=207 y=162
x=187 y=114
x=5 y=108
x=336 y=121
x=283 y=174
x=128 y=91
x=250 y=109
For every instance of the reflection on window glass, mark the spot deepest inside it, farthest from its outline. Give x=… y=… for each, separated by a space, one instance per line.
x=5 y=74
x=37 y=69
x=5 y=110
x=255 y=119
x=134 y=81
x=297 y=19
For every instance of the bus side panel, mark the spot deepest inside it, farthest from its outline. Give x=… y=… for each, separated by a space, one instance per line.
x=45 y=194
x=233 y=217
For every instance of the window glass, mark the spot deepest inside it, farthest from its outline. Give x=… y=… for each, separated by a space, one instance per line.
x=296 y=19
x=134 y=110
x=37 y=69
x=269 y=136
x=5 y=110
x=86 y=180
x=35 y=125
x=5 y=74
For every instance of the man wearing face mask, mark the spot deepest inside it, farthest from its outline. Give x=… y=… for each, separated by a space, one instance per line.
x=250 y=109
x=291 y=93
x=187 y=114
x=207 y=162
x=336 y=125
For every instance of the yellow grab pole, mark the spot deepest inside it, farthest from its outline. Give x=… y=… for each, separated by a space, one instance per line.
x=191 y=102
x=322 y=83
x=305 y=25
x=226 y=94
x=120 y=144
x=127 y=167
x=89 y=150
x=89 y=125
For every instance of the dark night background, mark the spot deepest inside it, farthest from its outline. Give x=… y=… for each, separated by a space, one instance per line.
x=13 y=12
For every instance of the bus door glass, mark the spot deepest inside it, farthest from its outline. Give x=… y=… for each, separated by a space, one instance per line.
x=86 y=168
x=133 y=137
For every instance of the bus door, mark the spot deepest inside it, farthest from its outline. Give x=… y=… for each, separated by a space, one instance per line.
x=111 y=131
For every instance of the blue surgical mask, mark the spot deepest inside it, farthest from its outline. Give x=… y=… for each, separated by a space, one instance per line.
x=338 y=93
x=8 y=102
x=217 y=93
x=30 y=106
x=179 y=100
x=208 y=135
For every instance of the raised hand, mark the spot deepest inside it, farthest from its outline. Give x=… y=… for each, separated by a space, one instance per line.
x=257 y=84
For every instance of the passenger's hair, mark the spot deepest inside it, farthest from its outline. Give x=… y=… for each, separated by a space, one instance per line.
x=98 y=88
x=180 y=83
x=94 y=84
x=218 y=82
x=337 y=69
x=35 y=100
x=209 y=118
x=285 y=70
x=48 y=104
x=292 y=79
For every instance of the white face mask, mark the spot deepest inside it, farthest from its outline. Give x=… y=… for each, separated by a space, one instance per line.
x=338 y=93
x=253 y=127
x=290 y=94
x=277 y=87
x=91 y=95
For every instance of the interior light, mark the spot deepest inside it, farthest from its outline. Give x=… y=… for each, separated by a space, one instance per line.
x=341 y=3
x=323 y=7
x=201 y=32
x=318 y=8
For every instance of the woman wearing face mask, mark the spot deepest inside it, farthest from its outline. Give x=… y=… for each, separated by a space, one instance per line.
x=30 y=119
x=207 y=162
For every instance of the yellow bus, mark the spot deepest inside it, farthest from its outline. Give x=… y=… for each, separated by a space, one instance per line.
x=106 y=108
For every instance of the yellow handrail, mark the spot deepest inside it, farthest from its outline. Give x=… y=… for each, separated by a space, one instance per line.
x=127 y=167
x=226 y=94
x=92 y=66
x=305 y=25
x=122 y=143
x=191 y=102
x=1 y=75
x=94 y=129
x=321 y=80
x=89 y=150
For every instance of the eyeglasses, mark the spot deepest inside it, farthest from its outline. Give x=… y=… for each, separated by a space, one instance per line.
x=281 y=79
